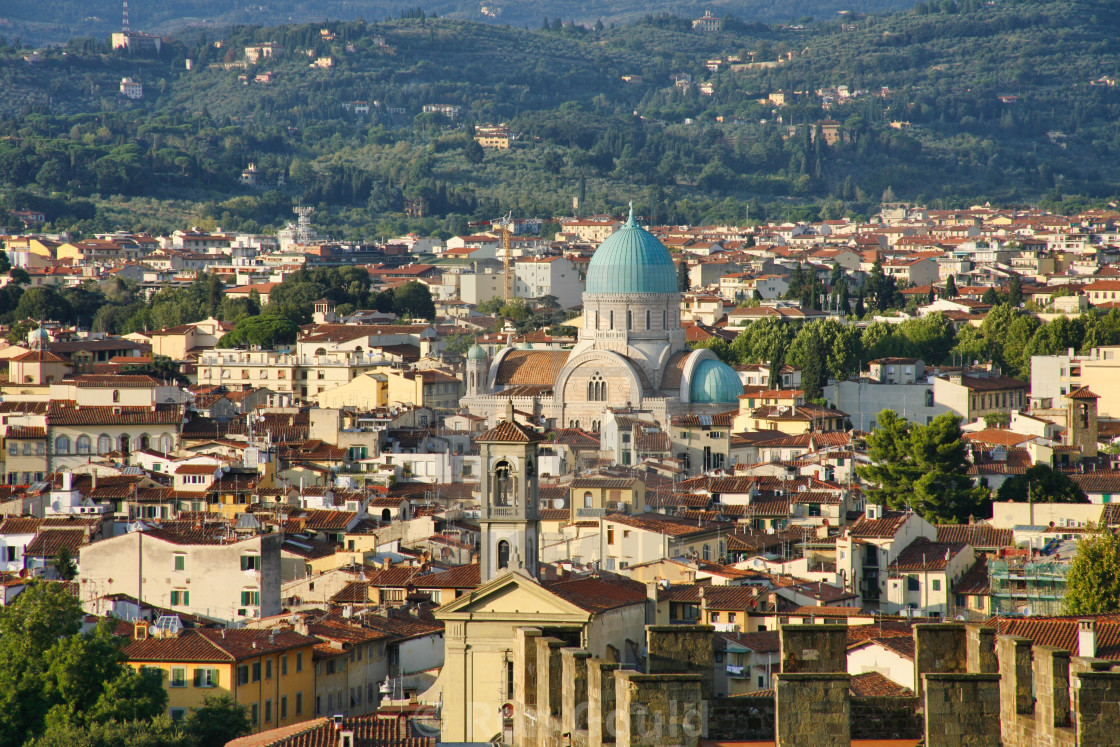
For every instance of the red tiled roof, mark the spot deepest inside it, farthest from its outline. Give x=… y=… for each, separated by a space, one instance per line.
x=884 y=527
x=208 y=645
x=510 y=432
x=370 y=730
x=598 y=595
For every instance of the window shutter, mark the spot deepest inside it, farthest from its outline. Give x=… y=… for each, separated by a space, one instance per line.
x=198 y=678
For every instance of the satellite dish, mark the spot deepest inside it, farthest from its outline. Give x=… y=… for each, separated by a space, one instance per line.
x=153 y=630
x=960 y=618
x=1027 y=610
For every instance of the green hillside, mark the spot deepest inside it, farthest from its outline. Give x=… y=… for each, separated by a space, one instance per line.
x=950 y=104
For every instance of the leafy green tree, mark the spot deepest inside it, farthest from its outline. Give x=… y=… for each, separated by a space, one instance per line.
x=65 y=564
x=1044 y=484
x=266 y=330
x=1093 y=581
x=53 y=676
x=923 y=467
x=43 y=302
x=159 y=732
x=161 y=367
x=1015 y=292
x=218 y=721
x=414 y=300
x=991 y=296
x=891 y=474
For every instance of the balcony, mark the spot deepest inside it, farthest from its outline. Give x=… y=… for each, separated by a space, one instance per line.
x=591 y=513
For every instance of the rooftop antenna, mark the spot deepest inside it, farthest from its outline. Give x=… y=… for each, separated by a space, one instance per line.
x=124 y=18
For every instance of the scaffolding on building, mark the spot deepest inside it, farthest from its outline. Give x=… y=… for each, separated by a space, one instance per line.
x=1026 y=587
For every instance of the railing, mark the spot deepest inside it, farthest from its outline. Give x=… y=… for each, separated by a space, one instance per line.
x=591 y=512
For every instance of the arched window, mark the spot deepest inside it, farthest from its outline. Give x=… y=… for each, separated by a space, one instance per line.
x=85 y=445
x=707 y=552
x=320 y=351
x=587 y=499
x=505 y=484
x=610 y=320
x=104 y=444
x=145 y=441
x=125 y=444
x=386 y=515
x=596 y=319
x=649 y=322
x=472 y=379
x=166 y=443
x=597 y=389
x=629 y=319
x=503 y=554
x=929 y=398
x=664 y=319
x=62 y=445
x=116 y=396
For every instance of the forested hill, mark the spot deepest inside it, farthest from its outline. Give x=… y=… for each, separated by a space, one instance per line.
x=55 y=21
x=948 y=103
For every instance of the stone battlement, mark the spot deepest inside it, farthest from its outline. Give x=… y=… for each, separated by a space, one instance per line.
x=975 y=688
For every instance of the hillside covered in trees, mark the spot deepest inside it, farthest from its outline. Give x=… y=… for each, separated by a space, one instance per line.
x=946 y=104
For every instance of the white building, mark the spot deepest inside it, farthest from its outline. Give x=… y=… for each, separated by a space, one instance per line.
x=132 y=89
x=548 y=276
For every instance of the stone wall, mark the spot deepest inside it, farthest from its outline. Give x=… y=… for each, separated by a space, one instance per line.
x=977 y=689
x=961 y=710
x=813 y=709
x=814 y=648
x=682 y=648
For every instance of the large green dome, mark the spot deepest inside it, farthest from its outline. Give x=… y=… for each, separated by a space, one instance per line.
x=631 y=260
x=715 y=381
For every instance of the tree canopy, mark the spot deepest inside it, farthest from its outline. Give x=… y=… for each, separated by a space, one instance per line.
x=1093 y=581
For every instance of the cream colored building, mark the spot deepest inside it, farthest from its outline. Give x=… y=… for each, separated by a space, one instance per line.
x=229 y=579
x=979 y=393
x=177 y=342
x=478 y=676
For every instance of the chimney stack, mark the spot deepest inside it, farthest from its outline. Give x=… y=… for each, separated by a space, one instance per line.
x=1087 y=638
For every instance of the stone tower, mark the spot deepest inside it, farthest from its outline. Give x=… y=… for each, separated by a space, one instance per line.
x=510 y=523
x=477 y=371
x=1081 y=420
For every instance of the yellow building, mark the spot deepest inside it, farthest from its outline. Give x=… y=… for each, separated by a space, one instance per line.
x=792 y=420
x=595 y=496
x=366 y=391
x=433 y=389
x=271 y=673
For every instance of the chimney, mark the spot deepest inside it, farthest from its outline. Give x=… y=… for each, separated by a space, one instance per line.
x=1087 y=638
x=386 y=563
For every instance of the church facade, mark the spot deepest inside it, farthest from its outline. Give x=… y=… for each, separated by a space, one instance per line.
x=631 y=350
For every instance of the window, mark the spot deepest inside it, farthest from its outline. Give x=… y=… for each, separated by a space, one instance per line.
x=180 y=562
x=509 y=679
x=299 y=703
x=731 y=617
x=610 y=535
x=13 y=448
x=715 y=617
x=62 y=445
x=707 y=552
x=268 y=710
x=256 y=671
x=116 y=396
x=629 y=319
x=178 y=677
x=268 y=669
x=250 y=562
x=937 y=584
x=243 y=674
x=503 y=554
x=180 y=597
x=283 y=707
x=178 y=714
x=912 y=583
x=254 y=714
x=205 y=677
x=649 y=319
x=283 y=665
x=84 y=444
x=104 y=444
x=299 y=668
x=814 y=509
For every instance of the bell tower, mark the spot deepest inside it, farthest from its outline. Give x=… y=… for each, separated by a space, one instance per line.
x=477 y=371
x=509 y=486
x=1081 y=420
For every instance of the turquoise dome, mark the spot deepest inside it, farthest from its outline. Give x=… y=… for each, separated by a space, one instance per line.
x=631 y=260
x=715 y=381
x=476 y=353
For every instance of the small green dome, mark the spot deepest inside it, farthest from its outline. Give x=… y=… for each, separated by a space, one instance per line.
x=715 y=381
x=476 y=353
x=631 y=260
x=525 y=345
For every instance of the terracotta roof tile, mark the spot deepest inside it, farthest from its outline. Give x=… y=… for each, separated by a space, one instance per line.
x=539 y=367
